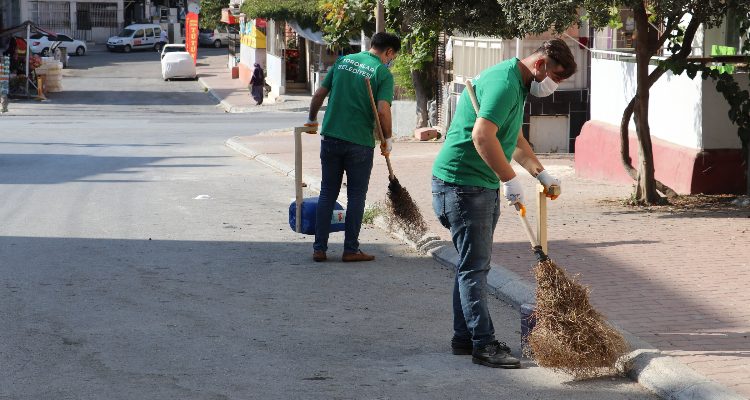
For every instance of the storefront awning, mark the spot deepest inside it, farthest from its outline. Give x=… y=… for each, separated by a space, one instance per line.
x=228 y=18
x=315 y=36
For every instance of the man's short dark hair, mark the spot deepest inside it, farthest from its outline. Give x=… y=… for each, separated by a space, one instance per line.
x=383 y=41
x=557 y=51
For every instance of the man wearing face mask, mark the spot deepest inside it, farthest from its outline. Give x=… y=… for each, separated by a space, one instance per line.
x=471 y=165
x=347 y=137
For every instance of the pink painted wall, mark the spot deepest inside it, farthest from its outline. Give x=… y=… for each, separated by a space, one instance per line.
x=686 y=170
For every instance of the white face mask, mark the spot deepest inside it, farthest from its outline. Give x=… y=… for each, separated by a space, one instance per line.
x=543 y=88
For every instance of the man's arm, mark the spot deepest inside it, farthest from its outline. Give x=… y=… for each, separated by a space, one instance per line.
x=317 y=102
x=384 y=115
x=525 y=156
x=485 y=141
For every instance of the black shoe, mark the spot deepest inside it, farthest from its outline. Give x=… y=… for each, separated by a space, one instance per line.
x=461 y=347
x=496 y=355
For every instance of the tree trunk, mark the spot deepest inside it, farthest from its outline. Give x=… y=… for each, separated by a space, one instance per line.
x=627 y=162
x=646 y=186
x=422 y=97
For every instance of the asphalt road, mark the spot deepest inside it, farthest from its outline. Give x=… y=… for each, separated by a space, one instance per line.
x=142 y=259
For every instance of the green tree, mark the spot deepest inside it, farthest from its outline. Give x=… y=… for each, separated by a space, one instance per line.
x=306 y=13
x=342 y=20
x=539 y=16
x=210 y=15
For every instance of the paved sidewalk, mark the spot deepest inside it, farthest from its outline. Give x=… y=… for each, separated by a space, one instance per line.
x=233 y=96
x=677 y=280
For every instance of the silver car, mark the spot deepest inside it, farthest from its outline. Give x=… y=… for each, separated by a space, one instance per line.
x=217 y=37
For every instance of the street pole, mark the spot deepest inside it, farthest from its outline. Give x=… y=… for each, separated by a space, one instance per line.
x=28 y=52
x=379 y=17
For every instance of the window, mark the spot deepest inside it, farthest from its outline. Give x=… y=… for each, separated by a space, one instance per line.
x=63 y=38
x=138 y=34
x=149 y=32
x=157 y=31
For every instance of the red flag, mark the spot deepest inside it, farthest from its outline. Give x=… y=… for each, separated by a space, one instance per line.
x=191 y=35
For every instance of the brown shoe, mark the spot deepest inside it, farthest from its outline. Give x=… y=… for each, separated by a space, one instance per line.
x=319 y=256
x=358 y=256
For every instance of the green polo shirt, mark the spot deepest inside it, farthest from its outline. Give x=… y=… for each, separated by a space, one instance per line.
x=501 y=94
x=349 y=114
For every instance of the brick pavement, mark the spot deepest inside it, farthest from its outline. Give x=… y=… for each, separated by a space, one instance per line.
x=678 y=280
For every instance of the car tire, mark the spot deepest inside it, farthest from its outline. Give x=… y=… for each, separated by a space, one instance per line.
x=217 y=43
x=80 y=51
x=127 y=48
x=45 y=52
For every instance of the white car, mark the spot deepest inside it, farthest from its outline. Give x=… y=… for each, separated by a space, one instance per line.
x=176 y=62
x=136 y=37
x=42 y=44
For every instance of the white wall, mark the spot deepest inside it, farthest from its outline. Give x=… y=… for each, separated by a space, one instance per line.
x=404 y=117
x=687 y=112
x=675 y=112
x=718 y=130
x=250 y=55
x=275 y=71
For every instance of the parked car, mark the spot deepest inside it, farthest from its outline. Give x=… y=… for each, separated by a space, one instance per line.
x=42 y=44
x=136 y=37
x=176 y=62
x=216 y=37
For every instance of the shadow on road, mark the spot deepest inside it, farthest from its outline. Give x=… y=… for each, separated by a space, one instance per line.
x=60 y=168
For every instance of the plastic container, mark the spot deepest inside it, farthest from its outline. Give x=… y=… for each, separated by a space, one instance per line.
x=309 y=208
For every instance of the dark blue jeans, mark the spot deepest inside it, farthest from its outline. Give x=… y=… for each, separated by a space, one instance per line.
x=471 y=213
x=336 y=157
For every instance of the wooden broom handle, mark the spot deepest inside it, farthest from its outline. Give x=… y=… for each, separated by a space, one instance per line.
x=378 y=128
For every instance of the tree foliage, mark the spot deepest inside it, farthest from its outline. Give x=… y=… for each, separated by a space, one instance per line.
x=342 y=20
x=306 y=13
x=210 y=15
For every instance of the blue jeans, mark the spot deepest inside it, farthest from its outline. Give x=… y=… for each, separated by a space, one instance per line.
x=336 y=157
x=471 y=213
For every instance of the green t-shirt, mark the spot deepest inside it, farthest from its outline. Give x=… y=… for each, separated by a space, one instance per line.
x=349 y=114
x=501 y=94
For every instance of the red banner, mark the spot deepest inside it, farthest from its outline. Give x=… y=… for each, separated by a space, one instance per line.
x=191 y=35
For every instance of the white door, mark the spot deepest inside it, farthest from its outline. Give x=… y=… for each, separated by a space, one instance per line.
x=550 y=134
x=138 y=38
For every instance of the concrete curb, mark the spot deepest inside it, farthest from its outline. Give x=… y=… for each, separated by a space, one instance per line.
x=222 y=103
x=660 y=373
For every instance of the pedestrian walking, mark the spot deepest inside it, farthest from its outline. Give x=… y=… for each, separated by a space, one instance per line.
x=163 y=38
x=347 y=141
x=467 y=173
x=256 y=84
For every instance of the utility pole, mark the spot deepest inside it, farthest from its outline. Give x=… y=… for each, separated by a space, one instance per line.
x=379 y=17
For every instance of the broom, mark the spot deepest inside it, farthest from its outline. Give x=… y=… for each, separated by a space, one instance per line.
x=570 y=335
x=398 y=201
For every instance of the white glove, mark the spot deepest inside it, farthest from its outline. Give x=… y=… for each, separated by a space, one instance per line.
x=547 y=180
x=513 y=191
x=386 y=147
x=312 y=122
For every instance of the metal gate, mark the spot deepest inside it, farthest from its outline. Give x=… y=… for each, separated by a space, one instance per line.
x=51 y=15
x=96 y=16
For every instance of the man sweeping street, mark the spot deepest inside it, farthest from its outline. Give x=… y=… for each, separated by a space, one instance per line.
x=467 y=173
x=347 y=137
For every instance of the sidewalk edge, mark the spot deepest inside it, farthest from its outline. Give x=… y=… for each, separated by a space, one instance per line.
x=662 y=374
